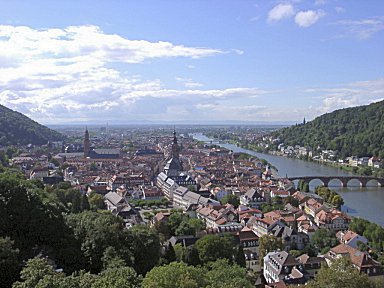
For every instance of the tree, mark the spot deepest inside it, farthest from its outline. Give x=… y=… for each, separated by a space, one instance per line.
x=175 y=275
x=96 y=232
x=96 y=201
x=197 y=225
x=222 y=274
x=324 y=238
x=170 y=255
x=118 y=277
x=291 y=200
x=240 y=257
x=174 y=221
x=231 y=199
x=35 y=270
x=340 y=274
x=191 y=256
x=213 y=247
x=112 y=259
x=162 y=229
x=4 y=161
x=9 y=264
x=337 y=200
x=268 y=243
x=146 y=248
x=35 y=225
x=180 y=251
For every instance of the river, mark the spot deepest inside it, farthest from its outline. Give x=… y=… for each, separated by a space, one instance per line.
x=367 y=202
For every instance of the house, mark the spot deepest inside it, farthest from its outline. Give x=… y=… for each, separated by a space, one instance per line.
x=161 y=217
x=151 y=193
x=185 y=240
x=375 y=162
x=223 y=218
x=282 y=266
x=333 y=220
x=351 y=238
x=306 y=225
x=39 y=173
x=219 y=193
x=248 y=239
x=118 y=206
x=312 y=207
x=292 y=239
x=360 y=260
x=167 y=185
x=252 y=198
x=263 y=226
x=310 y=264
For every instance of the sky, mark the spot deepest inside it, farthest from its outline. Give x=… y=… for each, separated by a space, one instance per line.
x=189 y=61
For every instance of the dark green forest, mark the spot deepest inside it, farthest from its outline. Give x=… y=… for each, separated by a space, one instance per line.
x=45 y=228
x=357 y=131
x=18 y=129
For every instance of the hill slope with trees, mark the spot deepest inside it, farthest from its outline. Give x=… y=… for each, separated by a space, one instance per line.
x=355 y=131
x=18 y=129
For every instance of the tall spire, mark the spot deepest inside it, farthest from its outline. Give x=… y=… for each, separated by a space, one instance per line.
x=175 y=146
x=174 y=136
x=87 y=143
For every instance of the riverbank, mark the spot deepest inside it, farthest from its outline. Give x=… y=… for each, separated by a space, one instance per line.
x=353 y=170
x=359 y=202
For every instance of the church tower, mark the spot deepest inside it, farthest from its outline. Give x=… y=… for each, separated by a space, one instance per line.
x=175 y=147
x=87 y=143
x=173 y=167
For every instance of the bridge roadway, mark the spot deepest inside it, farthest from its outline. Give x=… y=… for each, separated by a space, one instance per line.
x=344 y=180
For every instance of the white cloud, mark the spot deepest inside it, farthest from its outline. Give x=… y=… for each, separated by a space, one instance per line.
x=238 y=51
x=188 y=83
x=280 y=12
x=339 y=9
x=320 y=2
x=361 y=29
x=75 y=41
x=66 y=75
x=308 y=18
x=348 y=95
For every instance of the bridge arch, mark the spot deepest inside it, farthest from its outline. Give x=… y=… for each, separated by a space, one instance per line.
x=336 y=179
x=344 y=180
x=361 y=181
x=319 y=179
x=373 y=183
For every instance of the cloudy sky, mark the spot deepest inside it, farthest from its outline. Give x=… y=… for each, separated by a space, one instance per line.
x=196 y=61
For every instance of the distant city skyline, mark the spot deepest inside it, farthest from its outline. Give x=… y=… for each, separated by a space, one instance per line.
x=168 y=61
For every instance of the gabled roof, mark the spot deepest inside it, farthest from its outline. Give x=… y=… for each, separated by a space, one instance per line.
x=114 y=198
x=358 y=258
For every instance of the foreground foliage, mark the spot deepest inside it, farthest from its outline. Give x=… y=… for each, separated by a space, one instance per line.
x=341 y=274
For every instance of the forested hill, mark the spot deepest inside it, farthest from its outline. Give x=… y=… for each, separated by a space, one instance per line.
x=16 y=128
x=355 y=131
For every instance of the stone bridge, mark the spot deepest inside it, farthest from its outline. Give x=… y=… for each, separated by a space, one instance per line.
x=344 y=180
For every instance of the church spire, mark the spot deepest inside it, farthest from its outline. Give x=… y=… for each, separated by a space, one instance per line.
x=174 y=136
x=175 y=146
x=87 y=143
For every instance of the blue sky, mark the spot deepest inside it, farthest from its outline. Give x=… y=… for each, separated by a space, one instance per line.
x=189 y=61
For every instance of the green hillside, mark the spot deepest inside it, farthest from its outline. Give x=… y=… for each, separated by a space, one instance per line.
x=352 y=131
x=18 y=129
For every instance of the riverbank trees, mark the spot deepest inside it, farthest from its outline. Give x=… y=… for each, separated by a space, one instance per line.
x=329 y=196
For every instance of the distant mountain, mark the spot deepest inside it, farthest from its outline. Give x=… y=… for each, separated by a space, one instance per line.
x=16 y=128
x=352 y=131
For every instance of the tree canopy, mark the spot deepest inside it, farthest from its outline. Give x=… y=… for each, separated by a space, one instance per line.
x=18 y=129
x=355 y=131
